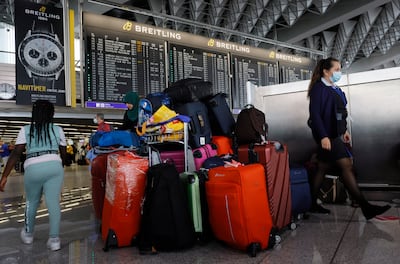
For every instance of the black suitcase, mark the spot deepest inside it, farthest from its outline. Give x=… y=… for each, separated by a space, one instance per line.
x=166 y=223
x=221 y=118
x=189 y=90
x=199 y=128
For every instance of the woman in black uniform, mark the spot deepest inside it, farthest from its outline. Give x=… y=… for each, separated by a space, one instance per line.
x=328 y=123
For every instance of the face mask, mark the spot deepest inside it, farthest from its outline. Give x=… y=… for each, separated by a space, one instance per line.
x=336 y=76
x=95 y=120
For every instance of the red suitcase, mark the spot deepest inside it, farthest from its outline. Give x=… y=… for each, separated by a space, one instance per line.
x=126 y=180
x=238 y=207
x=98 y=172
x=275 y=159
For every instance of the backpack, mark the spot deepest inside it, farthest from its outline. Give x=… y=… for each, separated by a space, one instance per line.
x=251 y=126
x=166 y=223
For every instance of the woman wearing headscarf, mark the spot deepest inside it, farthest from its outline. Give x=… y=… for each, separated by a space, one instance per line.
x=131 y=100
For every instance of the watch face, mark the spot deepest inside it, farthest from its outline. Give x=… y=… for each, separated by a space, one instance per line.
x=41 y=54
x=7 y=91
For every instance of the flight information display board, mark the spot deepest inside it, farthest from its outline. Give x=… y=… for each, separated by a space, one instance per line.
x=117 y=63
x=187 y=62
x=259 y=72
x=290 y=72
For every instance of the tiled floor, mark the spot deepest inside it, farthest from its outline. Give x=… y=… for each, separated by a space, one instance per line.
x=342 y=237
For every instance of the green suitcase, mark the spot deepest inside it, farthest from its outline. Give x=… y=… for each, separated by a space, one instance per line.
x=195 y=187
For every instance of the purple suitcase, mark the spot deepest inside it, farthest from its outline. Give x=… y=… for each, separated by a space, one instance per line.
x=202 y=153
x=168 y=152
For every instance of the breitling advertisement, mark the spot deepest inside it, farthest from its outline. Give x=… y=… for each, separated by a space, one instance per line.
x=40 y=53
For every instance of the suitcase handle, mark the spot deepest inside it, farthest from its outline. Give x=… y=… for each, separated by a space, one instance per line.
x=253 y=155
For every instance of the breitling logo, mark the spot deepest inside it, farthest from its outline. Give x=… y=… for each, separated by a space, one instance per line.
x=127 y=26
x=272 y=55
x=42 y=14
x=211 y=43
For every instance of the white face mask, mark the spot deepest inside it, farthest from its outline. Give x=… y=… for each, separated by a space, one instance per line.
x=95 y=120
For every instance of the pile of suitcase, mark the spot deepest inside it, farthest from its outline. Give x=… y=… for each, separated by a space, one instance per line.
x=227 y=183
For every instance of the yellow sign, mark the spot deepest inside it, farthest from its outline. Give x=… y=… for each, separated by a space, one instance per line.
x=42 y=9
x=127 y=26
x=272 y=55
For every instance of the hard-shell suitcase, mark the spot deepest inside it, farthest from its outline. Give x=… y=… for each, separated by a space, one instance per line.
x=199 y=127
x=221 y=118
x=238 y=207
x=300 y=190
x=98 y=172
x=166 y=222
x=194 y=183
x=224 y=145
x=126 y=180
x=171 y=152
x=275 y=158
x=202 y=153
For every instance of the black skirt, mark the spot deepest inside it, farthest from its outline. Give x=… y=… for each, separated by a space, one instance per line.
x=339 y=150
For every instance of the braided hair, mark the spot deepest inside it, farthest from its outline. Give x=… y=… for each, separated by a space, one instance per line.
x=318 y=73
x=41 y=122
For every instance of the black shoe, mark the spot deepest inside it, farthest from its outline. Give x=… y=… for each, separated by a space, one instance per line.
x=318 y=209
x=370 y=211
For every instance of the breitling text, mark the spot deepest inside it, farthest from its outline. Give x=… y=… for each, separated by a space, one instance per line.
x=42 y=15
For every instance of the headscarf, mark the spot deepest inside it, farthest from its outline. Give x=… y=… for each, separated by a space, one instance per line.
x=132 y=98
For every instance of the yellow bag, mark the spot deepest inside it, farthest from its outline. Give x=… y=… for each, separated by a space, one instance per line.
x=163 y=114
x=173 y=126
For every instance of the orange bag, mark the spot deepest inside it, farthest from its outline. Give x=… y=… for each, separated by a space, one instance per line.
x=126 y=180
x=224 y=145
x=238 y=207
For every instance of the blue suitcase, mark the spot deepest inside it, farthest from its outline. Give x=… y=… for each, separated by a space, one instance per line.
x=221 y=118
x=300 y=189
x=199 y=126
x=159 y=99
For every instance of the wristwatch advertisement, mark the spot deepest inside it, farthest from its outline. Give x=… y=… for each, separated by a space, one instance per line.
x=39 y=54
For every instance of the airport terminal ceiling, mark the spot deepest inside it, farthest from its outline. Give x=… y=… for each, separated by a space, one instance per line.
x=363 y=34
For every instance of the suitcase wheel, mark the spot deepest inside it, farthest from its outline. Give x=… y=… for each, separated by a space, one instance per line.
x=111 y=240
x=274 y=238
x=278 y=239
x=253 y=249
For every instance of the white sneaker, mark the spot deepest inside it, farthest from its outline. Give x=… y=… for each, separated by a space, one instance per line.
x=54 y=243
x=27 y=238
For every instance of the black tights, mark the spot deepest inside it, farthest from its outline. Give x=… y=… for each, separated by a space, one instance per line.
x=349 y=180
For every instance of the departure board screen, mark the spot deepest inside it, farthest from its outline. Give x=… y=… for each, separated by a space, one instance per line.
x=294 y=72
x=260 y=73
x=117 y=63
x=187 y=62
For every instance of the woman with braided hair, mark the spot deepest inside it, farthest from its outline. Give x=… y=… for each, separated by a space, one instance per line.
x=43 y=142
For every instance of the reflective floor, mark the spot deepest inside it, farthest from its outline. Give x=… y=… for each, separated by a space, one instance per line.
x=342 y=237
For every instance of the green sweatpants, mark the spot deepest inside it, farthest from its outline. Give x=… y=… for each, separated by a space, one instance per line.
x=45 y=177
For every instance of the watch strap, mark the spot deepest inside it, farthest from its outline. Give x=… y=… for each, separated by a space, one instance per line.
x=42 y=81
x=39 y=26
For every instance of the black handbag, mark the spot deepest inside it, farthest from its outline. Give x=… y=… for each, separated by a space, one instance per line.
x=333 y=191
